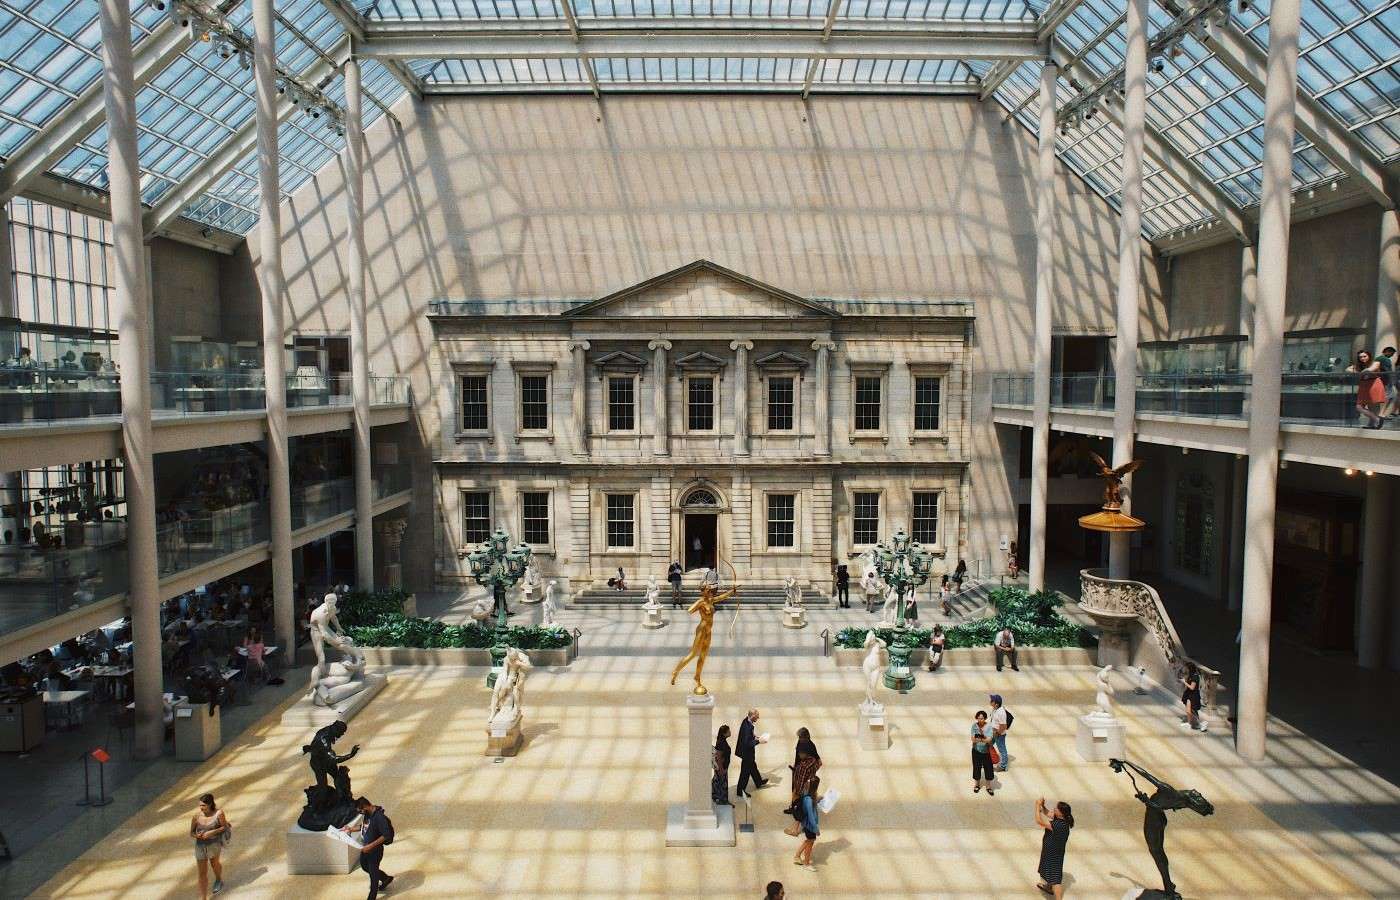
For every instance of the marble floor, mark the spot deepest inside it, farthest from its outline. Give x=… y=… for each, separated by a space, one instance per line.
x=581 y=811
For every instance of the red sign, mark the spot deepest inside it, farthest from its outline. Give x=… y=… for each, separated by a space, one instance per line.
x=101 y=755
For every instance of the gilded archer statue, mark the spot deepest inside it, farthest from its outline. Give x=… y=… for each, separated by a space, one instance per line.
x=710 y=597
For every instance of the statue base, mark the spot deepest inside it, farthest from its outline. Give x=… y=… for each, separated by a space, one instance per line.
x=1100 y=738
x=306 y=714
x=651 y=618
x=198 y=735
x=873 y=731
x=503 y=737
x=319 y=853
x=794 y=618
x=682 y=830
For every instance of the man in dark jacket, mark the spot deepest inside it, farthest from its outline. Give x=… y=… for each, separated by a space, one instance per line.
x=843 y=585
x=743 y=749
x=376 y=831
x=673 y=575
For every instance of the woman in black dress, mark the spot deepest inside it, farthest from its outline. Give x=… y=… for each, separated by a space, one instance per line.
x=1191 y=697
x=719 y=784
x=1057 y=824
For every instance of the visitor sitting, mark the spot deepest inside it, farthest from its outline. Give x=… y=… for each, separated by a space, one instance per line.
x=253 y=645
x=620 y=582
x=1006 y=648
x=936 y=640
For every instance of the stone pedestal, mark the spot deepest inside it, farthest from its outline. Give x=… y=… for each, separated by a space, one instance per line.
x=698 y=822
x=503 y=737
x=318 y=853
x=794 y=617
x=306 y=714
x=873 y=731
x=198 y=735
x=1100 y=738
x=651 y=618
x=1115 y=641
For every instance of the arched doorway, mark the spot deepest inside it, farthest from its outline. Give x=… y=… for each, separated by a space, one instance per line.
x=700 y=510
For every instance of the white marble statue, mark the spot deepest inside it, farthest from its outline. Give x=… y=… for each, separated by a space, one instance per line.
x=653 y=595
x=481 y=609
x=548 y=609
x=889 y=611
x=1103 y=700
x=529 y=589
x=332 y=682
x=873 y=670
x=508 y=696
x=793 y=596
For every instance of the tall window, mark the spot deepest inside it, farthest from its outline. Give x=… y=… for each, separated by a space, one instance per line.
x=621 y=520
x=61 y=275
x=865 y=518
x=867 y=403
x=782 y=518
x=474 y=402
x=701 y=404
x=534 y=402
x=925 y=524
x=928 y=390
x=780 y=401
x=622 y=404
x=476 y=516
x=534 y=515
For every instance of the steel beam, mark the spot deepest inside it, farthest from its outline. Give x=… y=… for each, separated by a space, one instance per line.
x=1242 y=56
x=1056 y=16
x=672 y=87
x=434 y=41
x=221 y=161
x=354 y=25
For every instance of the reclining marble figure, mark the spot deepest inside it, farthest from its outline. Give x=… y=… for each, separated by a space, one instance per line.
x=332 y=682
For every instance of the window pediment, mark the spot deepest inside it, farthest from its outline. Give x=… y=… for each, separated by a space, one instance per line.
x=781 y=360
x=700 y=361
x=620 y=361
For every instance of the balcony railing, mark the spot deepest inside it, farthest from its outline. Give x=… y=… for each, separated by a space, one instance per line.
x=206 y=536
x=390 y=390
x=390 y=480
x=1311 y=398
x=321 y=500
x=36 y=585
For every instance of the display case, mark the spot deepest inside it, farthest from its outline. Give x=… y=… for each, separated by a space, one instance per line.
x=195 y=354
x=1316 y=385
x=246 y=357
x=1197 y=377
x=69 y=372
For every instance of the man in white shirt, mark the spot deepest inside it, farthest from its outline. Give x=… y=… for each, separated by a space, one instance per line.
x=999 y=723
x=1006 y=648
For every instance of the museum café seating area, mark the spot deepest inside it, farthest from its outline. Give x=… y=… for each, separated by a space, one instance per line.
x=85 y=683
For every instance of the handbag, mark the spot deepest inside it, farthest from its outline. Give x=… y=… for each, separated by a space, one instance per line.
x=793 y=829
x=993 y=755
x=226 y=836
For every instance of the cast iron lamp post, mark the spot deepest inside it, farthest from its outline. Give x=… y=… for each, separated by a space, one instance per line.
x=905 y=566
x=498 y=568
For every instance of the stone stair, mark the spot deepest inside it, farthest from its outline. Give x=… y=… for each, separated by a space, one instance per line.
x=750 y=594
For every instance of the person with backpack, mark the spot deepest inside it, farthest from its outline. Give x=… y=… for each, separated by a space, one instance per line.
x=1001 y=723
x=211 y=830
x=376 y=832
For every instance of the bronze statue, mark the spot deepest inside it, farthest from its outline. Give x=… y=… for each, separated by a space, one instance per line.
x=328 y=804
x=1113 y=480
x=700 y=647
x=1154 y=820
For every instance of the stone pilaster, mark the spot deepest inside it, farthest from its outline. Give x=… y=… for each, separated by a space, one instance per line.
x=579 y=351
x=741 y=350
x=661 y=425
x=823 y=395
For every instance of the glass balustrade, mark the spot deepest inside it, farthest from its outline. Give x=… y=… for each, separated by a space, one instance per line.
x=320 y=500
x=390 y=480
x=198 y=538
x=389 y=390
x=205 y=393
x=36 y=584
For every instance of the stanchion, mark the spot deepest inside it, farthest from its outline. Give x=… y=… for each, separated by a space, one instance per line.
x=101 y=756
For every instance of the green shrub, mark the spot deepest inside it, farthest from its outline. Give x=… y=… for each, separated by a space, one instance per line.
x=366 y=608
x=398 y=630
x=1035 y=619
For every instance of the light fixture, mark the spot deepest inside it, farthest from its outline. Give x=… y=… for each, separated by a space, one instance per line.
x=1349 y=472
x=1369 y=473
x=1185 y=451
x=1157 y=65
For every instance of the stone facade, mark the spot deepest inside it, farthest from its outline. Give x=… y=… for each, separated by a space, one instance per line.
x=701 y=407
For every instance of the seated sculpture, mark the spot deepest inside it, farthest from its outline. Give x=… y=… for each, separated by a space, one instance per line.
x=329 y=802
x=333 y=682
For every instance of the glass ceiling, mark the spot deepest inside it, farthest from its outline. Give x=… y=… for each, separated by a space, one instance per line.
x=49 y=58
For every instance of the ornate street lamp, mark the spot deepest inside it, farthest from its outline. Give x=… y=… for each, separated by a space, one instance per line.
x=905 y=567
x=499 y=568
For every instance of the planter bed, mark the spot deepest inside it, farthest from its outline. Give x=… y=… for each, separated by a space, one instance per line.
x=434 y=657
x=983 y=656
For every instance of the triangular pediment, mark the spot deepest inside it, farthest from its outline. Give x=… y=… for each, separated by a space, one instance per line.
x=700 y=361
x=620 y=361
x=702 y=290
x=780 y=360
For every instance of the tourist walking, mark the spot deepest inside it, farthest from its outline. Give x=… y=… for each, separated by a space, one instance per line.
x=211 y=831
x=1370 y=388
x=981 y=754
x=843 y=586
x=673 y=575
x=936 y=641
x=1388 y=378
x=1000 y=722
x=808 y=820
x=911 y=610
x=945 y=596
x=375 y=832
x=805 y=763
x=1191 y=698
x=744 y=749
x=1056 y=824
x=959 y=574
x=1013 y=562
x=1006 y=648
x=719 y=784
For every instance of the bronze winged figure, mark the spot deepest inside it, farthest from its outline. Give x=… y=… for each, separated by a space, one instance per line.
x=1113 y=480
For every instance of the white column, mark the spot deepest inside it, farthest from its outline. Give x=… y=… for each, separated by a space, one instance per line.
x=1274 y=208
x=823 y=395
x=130 y=311
x=359 y=336
x=1249 y=293
x=1376 y=549
x=1044 y=304
x=579 y=351
x=1387 y=323
x=661 y=431
x=7 y=270
x=1129 y=267
x=272 y=287
x=1239 y=476
x=741 y=350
